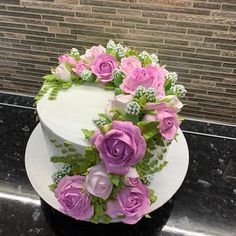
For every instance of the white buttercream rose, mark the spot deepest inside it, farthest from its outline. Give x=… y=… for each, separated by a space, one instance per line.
x=119 y=103
x=62 y=73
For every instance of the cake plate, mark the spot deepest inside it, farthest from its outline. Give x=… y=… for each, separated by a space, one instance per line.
x=165 y=183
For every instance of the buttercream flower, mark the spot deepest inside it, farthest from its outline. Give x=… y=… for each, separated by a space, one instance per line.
x=93 y=52
x=132 y=203
x=128 y=64
x=62 y=73
x=74 y=201
x=167 y=117
x=66 y=58
x=103 y=66
x=98 y=182
x=80 y=67
x=119 y=103
x=121 y=147
x=148 y=77
x=175 y=102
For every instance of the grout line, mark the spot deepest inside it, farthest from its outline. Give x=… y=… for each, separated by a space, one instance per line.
x=208 y=135
x=18 y=106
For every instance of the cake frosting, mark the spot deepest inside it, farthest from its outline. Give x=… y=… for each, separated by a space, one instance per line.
x=110 y=115
x=73 y=110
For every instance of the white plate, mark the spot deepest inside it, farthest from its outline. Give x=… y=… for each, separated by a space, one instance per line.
x=166 y=183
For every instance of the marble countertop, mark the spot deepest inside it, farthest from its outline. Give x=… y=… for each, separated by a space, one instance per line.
x=205 y=204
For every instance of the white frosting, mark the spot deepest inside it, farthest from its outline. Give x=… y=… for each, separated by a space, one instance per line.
x=73 y=110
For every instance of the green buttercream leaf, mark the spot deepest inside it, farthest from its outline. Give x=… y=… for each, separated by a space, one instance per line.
x=67 y=159
x=88 y=133
x=52 y=187
x=118 y=80
x=118 y=91
x=142 y=101
x=148 y=129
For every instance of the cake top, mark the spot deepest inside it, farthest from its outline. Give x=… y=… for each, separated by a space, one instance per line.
x=134 y=126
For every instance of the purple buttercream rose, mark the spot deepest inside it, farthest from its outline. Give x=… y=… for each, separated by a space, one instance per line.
x=74 y=201
x=66 y=58
x=128 y=64
x=98 y=182
x=132 y=202
x=148 y=77
x=80 y=67
x=103 y=66
x=167 y=117
x=121 y=147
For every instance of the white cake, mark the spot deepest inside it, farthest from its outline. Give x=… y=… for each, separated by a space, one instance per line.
x=74 y=109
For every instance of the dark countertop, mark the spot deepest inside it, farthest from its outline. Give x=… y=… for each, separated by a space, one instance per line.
x=205 y=204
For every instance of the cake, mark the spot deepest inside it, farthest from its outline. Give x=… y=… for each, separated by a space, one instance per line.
x=110 y=115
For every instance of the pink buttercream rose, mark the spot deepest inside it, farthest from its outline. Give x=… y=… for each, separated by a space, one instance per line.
x=128 y=64
x=121 y=147
x=132 y=202
x=148 y=77
x=93 y=52
x=80 y=67
x=119 y=103
x=167 y=117
x=103 y=66
x=98 y=182
x=66 y=58
x=74 y=201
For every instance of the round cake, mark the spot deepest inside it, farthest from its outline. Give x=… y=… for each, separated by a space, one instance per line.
x=110 y=115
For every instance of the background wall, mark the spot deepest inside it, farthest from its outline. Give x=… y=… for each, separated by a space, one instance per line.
x=194 y=38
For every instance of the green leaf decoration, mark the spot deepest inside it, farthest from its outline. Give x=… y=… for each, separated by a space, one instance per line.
x=151 y=144
x=147 y=216
x=159 y=140
x=115 y=179
x=91 y=78
x=131 y=52
x=52 y=187
x=88 y=133
x=142 y=101
x=152 y=196
x=133 y=118
x=99 y=211
x=68 y=159
x=92 y=155
x=110 y=86
x=118 y=91
x=118 y=80
x=105 y=128
x=105 y=116
x=148 y=129
x=67 y=144
x=53 y=140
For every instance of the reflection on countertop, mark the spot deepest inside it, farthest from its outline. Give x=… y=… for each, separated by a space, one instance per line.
x=205 y=204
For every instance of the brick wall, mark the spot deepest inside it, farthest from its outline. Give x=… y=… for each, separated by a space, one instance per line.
x=194 y=38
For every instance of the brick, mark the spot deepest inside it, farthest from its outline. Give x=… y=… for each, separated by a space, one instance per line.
x=104 y=10
x=87 y=21
x=15 y=2
x=36 y=27
x=169 y=9
x=105 y=3
x=112 y=17
x=189 y=24
x=206 y=5
x=41 y=11
x=51 y=17
x=128 y=12
x=153 y=14
x=136 y=19
x=171 y=3
x=81 y=26
x=228 y=35
x=219 y=40
x=200 y=32
x=229 y=7
x=58 y=30
x=160 y=28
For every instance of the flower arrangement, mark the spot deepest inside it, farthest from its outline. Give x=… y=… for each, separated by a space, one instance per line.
x=111 y=178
